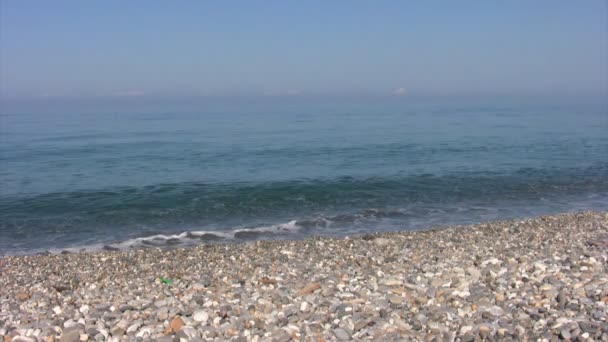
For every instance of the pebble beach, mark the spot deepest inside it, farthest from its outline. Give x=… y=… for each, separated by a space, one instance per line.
x=538 y=279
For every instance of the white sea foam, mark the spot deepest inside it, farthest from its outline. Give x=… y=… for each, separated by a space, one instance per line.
x=187 y=238
x=362 y=221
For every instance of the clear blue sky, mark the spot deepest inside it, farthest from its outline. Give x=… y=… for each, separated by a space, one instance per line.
x=80 y=49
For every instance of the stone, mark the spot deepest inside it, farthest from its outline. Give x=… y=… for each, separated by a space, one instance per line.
x=589 y=327
x=280 y=335
x=484 y=330
x=70 y=335
x=342 y=334
x=198 y=286
x=84 y=309
x=491 y=261
x=22 y=296
x=381 y=241
x=308 y=289
x=162 y=314
x=126 y=307
x=165 y=339
x=133 y=328
x=396 y=299
x=176 y=324
x=360 y=291
x=401 y=324
x=160 y=303
x=474 y=273
x=390 y=281
x=466 y=329
x=188 y=333
x=23 y=339
x=539 y=267
x=201 y=316
x=117 y=331
x=360 y=325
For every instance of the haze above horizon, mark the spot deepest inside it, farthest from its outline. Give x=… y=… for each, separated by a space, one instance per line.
x=117 y=49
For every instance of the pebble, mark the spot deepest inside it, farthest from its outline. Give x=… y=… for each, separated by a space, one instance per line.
x=391 y=282
x=342 y=334
x=70 y=335
x=201 y=316
x=396 y=299
x=133 y=328
x=281 y=335
x=381 y=241
x=542 y=278
x=176 y=324
x=23 y=339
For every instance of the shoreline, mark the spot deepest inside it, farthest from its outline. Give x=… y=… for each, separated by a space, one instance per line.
x=518 y=279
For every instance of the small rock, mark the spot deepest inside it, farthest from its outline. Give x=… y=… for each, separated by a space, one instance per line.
x=22 y=296
x=70 y=335
x=381 y=241
x=562 y=298
x=484 y=330
x=165 y=339
x=198 y=287
x=133 y=328
x=84 y=309
x=310 y=288
x=360 y=325
x=188 y=333
x=201 y=316
x=342 y=334
x=22 y=339
x=162 y=314
x=126 y=307
x=474 y=273
x=117 y=331
x=396 y=299
x=390 y=281
x=176 y=324
x=465 y=329
x=281 y=335
x=589 y=327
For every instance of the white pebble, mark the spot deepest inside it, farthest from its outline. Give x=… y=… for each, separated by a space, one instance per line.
x=201 y=316
x=84 y=309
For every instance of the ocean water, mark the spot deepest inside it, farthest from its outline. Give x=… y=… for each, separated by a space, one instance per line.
x=134 y=176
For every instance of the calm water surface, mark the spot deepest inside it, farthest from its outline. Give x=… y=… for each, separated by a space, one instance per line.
x=161 y=176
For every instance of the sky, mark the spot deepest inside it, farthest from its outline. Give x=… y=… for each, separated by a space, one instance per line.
x=124 y=49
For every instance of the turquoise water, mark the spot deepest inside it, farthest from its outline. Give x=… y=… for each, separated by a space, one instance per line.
x=129 y=176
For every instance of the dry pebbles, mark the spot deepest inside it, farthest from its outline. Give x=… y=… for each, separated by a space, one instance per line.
x=538 y=279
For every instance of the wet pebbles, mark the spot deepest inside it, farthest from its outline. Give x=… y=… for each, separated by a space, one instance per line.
x=538 y=279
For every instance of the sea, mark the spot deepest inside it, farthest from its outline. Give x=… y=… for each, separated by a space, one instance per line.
x=138 y=173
